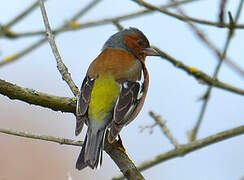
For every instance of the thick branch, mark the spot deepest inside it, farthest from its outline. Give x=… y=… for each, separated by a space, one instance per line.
x=190 y=147
x=63 y=104
x=119 y=156
x=31 y=96
x=67 y=105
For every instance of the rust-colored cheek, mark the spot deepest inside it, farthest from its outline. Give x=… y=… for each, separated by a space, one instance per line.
x=131 y=42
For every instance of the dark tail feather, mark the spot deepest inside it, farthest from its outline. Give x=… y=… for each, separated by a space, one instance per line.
x=91 y=152
x=80 y=120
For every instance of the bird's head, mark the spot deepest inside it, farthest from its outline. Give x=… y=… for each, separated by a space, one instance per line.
x=132 y=40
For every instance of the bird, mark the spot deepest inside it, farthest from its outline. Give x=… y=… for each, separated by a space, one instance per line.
x=112 y=93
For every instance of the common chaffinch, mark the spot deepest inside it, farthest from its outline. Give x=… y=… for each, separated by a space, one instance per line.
x=113 y=92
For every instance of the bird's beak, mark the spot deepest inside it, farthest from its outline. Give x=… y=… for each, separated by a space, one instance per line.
x=150 y=52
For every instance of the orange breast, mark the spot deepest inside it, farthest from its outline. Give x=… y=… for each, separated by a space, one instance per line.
x=118 y=63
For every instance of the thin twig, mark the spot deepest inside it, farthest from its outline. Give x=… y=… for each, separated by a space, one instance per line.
x=199 y=75
x=16 y=56
x=117 y=154
x=85 y=10
x=198 y=32
x=41 y=137
x=77 y=26
x=98 y=22
x=118 y=25
x=184 y=149
x=120 y=157
x=150 y=127
x=60 y=65
x=164 y=128
x=222 y=11
x=133 y=15
x=187 y=18
x=23 y=14
x=194 y=131
x=17 y=94
x=180 y=151
x=177 y=63
x=5 y=29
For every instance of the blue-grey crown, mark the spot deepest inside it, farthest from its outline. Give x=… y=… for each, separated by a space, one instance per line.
x=117 y=40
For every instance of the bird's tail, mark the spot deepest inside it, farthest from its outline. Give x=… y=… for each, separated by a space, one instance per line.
x=91 y=152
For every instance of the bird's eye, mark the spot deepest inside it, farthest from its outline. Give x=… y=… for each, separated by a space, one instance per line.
x=139 y=41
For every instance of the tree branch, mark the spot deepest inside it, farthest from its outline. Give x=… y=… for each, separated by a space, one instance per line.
x=197 y=31
x=136 y=14
x=41 y=137
x=16 y=56
x=60 y=65
x=56 y=103
x=194 y=131
x=187 y=18
x=222 y=12
x=92 y=23
x=199 y=74
x=164 y=128
x=119 y=156
x=114 y=151
x=184 y=149
x=67 y=105
x=5 y=29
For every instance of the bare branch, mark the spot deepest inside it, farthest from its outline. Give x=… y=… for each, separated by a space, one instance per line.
x=182 y=18
x=41 y=137
x=119 y=156
x=118 y=25
x=132 y=15
x=194 y=131
x=164 y=128
x=199 y=74
x=23 y=14
x=198 y=32
x=22 y=93
x=16 y=56
x=68 y=27
x=5 y=29
x=56 y=103
x=60 y=65
x=184 y=149
x=85 y=10
x=150 y=127
x=114 y=151
x=222 y=11
x=99 y=22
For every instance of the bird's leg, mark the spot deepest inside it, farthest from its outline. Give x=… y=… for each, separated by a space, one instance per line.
x=118 y=144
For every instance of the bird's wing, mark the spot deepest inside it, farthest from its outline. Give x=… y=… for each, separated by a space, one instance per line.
x=129 y=104
x=83 y=102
